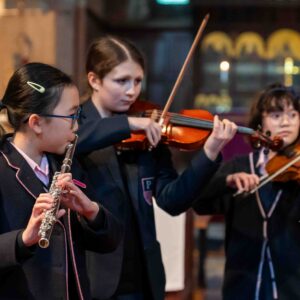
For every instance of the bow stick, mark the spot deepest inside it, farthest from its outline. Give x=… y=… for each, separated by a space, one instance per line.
x=182 y=71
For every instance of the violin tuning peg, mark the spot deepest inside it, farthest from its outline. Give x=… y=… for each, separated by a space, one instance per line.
x=257 y=144
x=268 y=133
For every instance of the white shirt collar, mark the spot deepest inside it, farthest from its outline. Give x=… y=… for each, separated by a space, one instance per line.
x=42 y=170
x=262 y=161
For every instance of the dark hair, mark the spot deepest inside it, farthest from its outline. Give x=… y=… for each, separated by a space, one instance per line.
x=108 y=52
x=273 y=98
x=21 y=99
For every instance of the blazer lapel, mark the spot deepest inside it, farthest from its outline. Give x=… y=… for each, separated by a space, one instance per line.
x=24 y=174
x=131 y=172
x=110 y=159
x=133 y=186
x=109 y=155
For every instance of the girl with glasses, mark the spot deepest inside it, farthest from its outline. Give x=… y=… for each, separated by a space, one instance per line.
x=129 y=182
x=42 y=108
x=262 y=227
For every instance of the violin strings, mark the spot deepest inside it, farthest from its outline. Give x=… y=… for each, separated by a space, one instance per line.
x=198 y=123
x=207 y=124
x=185 y=120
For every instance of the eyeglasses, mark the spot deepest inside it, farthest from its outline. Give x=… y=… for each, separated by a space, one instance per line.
x=74 y=117
x=279 y=115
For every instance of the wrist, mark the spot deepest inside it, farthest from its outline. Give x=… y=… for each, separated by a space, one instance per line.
x=27 y=241
x=91 y=211
x=131 y=122
x=229 y=180
x=212 y=154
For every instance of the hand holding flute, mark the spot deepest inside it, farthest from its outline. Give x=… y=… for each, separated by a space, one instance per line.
x=72 y=198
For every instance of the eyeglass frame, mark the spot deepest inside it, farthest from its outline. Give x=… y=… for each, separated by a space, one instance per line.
x=289 y=114
x=75 y=117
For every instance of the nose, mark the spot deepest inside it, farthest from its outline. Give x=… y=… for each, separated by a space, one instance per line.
x=132 y=89
x=285 y=119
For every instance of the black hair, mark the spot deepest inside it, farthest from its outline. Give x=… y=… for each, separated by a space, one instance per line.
x=273 y=98
x=35 y=88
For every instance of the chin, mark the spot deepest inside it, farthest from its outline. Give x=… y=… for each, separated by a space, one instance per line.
x=122 y=109
x=60 y=150
x=287 y=142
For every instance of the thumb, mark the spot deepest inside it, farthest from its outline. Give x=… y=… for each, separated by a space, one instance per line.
x=60 y=213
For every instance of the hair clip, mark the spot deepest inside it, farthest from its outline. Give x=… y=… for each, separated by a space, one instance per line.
x=36 y=86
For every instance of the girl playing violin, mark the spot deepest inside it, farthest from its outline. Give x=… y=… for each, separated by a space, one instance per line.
x=42 y=106
x=262 y=228
x=127 y=182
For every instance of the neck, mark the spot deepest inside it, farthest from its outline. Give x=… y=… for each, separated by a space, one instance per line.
x=28 y=145
x=104 y=113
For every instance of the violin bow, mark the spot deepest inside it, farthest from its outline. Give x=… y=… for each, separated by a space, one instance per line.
x=275 y=174
x=182 y=71
x=267 y=178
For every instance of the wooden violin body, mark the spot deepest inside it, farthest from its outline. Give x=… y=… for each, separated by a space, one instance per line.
x=184 y=137
x=287 y=167
x=187 y=130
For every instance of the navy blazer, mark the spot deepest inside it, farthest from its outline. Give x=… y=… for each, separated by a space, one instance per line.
x=35 y=273
x=245 y=230
x=149 y=173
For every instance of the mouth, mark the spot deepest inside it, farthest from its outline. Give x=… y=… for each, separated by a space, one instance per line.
x=127 y=102
x=284 y=133
x=73 y=138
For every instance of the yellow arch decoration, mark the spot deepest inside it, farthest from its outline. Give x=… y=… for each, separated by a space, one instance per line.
x=285 y=42
x=250 y=42
x=219 y=41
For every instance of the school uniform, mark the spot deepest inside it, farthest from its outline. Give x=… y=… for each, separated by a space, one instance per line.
x=127 y=183
x=262 y=242
x=57 y=272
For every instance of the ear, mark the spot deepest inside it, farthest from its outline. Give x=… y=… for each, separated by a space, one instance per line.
x=35 y=123
x=94 y=81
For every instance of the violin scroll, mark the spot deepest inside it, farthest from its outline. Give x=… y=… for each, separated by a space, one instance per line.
x=259 y=140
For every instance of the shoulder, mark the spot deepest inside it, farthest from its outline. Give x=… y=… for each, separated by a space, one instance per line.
x=10 y=159
x=89 y=109
x=6 y=149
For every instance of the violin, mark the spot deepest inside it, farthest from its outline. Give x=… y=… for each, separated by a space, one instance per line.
x=284 y=167
x=187 y=130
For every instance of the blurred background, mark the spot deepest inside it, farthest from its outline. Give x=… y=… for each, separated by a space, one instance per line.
x=246 y=45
